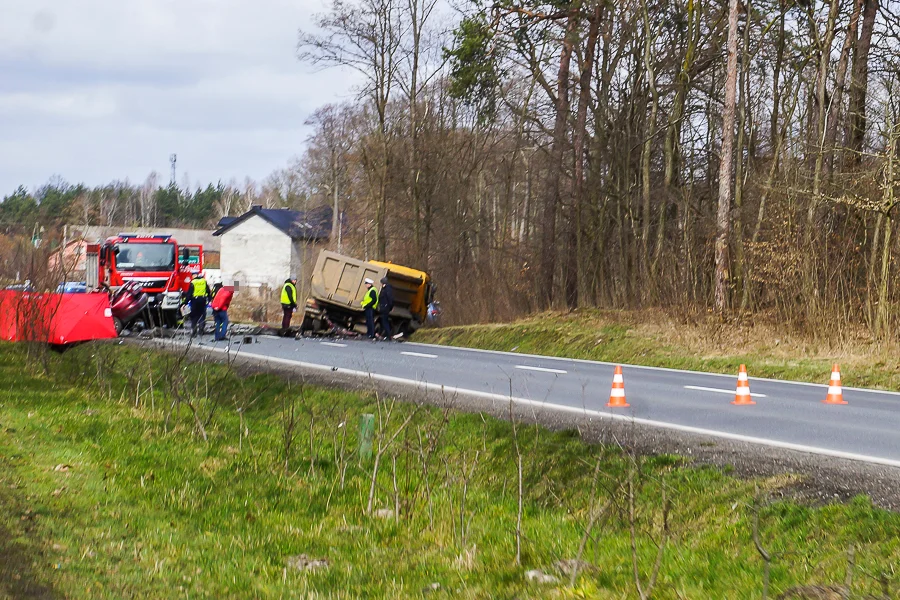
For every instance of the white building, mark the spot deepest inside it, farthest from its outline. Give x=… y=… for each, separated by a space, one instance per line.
x=265 y=246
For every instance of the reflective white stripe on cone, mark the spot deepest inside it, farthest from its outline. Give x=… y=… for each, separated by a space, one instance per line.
x=835 y=395
x=742 y=393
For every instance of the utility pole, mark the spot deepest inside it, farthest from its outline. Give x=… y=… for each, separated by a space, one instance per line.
x=172 y=160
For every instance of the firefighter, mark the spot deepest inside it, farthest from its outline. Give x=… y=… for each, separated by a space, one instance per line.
x=198 y=296
x=288 y=304
x=385 y=306
x=369 y=304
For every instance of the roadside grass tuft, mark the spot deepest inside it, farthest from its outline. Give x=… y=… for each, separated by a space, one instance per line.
x=108 y=490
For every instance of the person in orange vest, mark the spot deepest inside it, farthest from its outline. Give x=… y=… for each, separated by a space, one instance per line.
x=221 y=302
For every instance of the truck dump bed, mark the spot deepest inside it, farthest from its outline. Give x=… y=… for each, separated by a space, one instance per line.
x=338 y=280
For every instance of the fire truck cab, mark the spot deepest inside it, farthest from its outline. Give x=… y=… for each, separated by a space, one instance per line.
x=162 y=267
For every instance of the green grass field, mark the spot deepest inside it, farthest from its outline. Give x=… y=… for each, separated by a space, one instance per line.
x=106 y=491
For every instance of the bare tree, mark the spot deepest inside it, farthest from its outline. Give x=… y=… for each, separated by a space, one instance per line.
x=147 y=200
x=726 y=162
x=364 y=36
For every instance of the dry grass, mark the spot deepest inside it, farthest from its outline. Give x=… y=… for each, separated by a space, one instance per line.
x=257 y=309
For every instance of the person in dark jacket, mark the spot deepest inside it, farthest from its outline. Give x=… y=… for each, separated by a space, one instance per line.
x=369 y=304
x=198 y=296
x=288 y=304
x=221 y=302
x=385 y=306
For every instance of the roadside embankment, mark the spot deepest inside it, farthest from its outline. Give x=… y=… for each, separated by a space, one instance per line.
x=138 y=472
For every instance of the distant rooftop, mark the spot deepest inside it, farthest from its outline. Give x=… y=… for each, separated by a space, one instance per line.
x=312 y=224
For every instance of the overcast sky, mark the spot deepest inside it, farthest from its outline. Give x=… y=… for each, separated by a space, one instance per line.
x=97 y=90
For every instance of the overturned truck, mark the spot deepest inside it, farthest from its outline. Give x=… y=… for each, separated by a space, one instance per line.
x=337 y=289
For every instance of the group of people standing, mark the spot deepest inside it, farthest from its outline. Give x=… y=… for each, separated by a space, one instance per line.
x=373 y=300
x=383 y=302
x=199 y=295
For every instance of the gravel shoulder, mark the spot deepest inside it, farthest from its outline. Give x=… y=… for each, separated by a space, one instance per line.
x=820 y=479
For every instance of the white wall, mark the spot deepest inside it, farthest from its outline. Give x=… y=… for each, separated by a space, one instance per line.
x=256 y=253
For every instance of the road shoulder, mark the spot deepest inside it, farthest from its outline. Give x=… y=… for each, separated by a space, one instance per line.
x=817 y=479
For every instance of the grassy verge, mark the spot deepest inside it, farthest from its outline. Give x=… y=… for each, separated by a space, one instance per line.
x=109 y=490
x=656 y=339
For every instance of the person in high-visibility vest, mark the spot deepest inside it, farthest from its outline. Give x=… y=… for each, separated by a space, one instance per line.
x=198 y=295
x=369 y=304
x=288 y=304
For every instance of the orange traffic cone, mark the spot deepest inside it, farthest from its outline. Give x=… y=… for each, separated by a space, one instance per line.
x=617 y=394
x=742 y=394
x=835 y=396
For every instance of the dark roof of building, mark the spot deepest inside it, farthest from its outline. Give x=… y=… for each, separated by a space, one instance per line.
x=312 y=224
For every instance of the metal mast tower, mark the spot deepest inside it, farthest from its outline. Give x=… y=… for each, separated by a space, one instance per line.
x=173 y=159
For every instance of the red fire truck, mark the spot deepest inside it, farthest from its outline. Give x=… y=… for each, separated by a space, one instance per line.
x=162 y=267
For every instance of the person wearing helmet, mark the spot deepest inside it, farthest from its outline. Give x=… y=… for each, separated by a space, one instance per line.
x=288 y=304
x=198 y=296
x=369 y=304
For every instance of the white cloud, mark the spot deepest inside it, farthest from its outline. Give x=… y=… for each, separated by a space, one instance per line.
x=96 y=90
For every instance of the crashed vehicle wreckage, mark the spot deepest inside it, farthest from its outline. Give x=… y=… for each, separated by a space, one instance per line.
x=130 y=280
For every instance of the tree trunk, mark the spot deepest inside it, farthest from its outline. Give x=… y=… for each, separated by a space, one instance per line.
x=741 y=169
x=776 y=82
x=574 y=291
x=840 y=78
x=413 y=189
x=649 y=132
x=859 y=82
x=822 y=108
x=723 y=213
x=549 y=242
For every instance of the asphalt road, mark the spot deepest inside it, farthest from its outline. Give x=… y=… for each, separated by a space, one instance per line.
x=788 y=415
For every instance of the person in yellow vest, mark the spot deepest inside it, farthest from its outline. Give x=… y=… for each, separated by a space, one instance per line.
x=288 y=304
x=369 y=304
x=198 y=295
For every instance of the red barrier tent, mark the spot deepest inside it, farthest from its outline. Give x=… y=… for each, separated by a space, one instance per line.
x=55 y=318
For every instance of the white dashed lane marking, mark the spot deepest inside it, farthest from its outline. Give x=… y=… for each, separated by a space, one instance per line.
x=334 y=344
x=541 y=369
x=706 y=389
x=419 y=354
